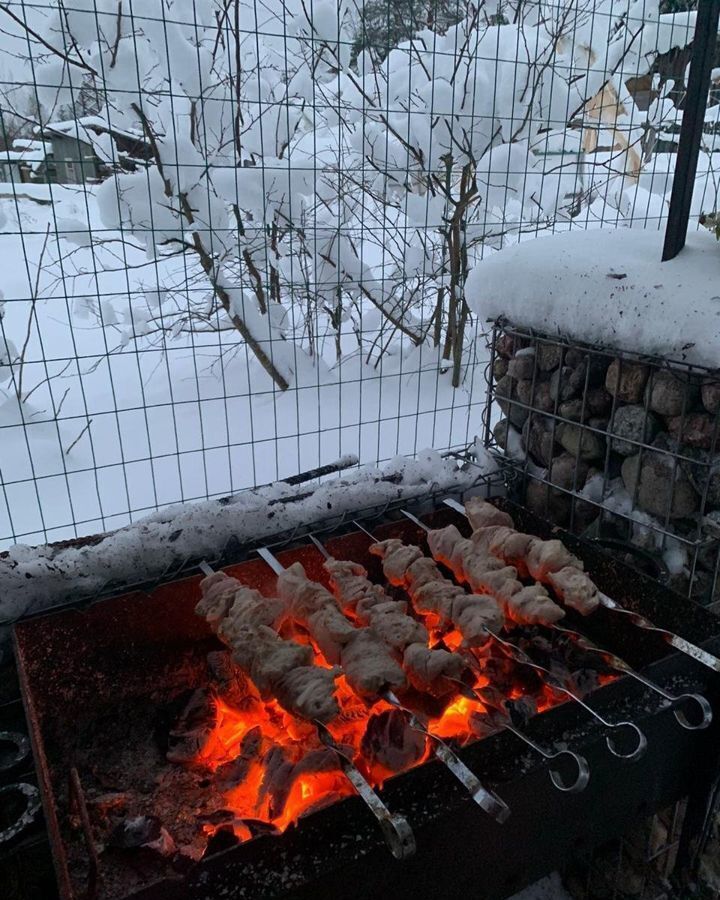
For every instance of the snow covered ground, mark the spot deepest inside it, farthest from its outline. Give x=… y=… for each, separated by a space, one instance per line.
x=119 y=427
x=549 y=888
x=122 y=422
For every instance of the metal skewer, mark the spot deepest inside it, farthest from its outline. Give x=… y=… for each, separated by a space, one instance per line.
x=583 y=770
x=578 y=761
x=395 y=828
x=520 y=656
x=620 y=665
x=485 y=798
x=679 y=643
x=675 y=699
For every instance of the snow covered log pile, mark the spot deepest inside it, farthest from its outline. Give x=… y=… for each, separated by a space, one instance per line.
x=639 y=439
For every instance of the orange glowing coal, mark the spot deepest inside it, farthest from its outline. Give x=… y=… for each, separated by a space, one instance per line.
x=288 y=772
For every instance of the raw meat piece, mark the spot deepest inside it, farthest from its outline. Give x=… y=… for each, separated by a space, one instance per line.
x=278 y=668
x=369 y=667
x=575 y=589
x=480 y=514
x=545 y=557
x=397 y=557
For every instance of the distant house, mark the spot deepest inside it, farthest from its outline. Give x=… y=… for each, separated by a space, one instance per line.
x=27 y=162
x=89 y=149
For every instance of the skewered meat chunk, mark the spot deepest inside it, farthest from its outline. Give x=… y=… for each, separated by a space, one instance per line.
x=545 y=557
x=428 y=667
x=278 y=668
x=352 y=588
x=547 y=561
x=397 y=558
x=331 y=630
x=218 y=593
x=302 y=596
x=532 y=606
x=424 y=667
x=309 y=689
x=537 y=558
x=265 y=656
x=481 y=514
x=365 y=658
x=575 y=589
x=248 y=607
x=398 y=629
x=431 y=592
x=369 y=667
x=475 y=615
x=506 y=544
x=487 y=574
x=421 y=572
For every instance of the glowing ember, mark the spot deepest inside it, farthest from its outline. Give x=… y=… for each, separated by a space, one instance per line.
x=289 y=772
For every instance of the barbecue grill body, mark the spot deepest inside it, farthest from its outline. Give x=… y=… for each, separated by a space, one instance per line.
x=78 y=663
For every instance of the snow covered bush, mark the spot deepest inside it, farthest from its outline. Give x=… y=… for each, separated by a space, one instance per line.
x=304 y=185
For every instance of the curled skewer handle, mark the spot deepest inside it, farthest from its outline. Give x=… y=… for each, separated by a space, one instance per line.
x=678 y=701
x=395 y=828
x=578 y=762
x=611 y=740
x=706 y=713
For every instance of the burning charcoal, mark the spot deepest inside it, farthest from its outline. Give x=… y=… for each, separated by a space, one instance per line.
x=234 y=773
x=390 y=741
x=485 y=724
x=277 y=780
x=521 y=710
x=321 y=760
x=229 y=681
x=222 y=839
x=142 y=831
x=585 y=681
x=217 y=817
x=257 y=827
x=193 y=728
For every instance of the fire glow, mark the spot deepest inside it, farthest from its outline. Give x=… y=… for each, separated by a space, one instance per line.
x=280 y=735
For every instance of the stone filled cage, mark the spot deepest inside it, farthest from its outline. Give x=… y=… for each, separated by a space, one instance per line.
x=616 y=446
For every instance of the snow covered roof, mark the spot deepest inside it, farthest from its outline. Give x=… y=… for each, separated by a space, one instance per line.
x=79 y=127
x=609 y=288
x=33 y=153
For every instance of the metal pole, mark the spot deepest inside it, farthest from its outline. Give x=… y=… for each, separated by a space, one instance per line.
x=703 y=54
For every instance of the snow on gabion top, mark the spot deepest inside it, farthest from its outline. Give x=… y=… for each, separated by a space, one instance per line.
x=610 y=289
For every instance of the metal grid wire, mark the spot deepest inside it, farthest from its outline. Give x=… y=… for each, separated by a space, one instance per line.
x=617 y=446
x=235 y=233
x=637 y=866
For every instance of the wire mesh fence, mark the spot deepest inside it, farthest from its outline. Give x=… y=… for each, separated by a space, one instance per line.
x=235 y=235
x=619 y=447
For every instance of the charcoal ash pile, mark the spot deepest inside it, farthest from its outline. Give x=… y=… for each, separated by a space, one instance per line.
x=618 y=446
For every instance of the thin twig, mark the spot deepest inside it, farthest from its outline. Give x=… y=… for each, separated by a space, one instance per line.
x=89 y=423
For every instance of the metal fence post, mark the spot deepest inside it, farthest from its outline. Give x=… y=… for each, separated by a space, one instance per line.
x=704 y=44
